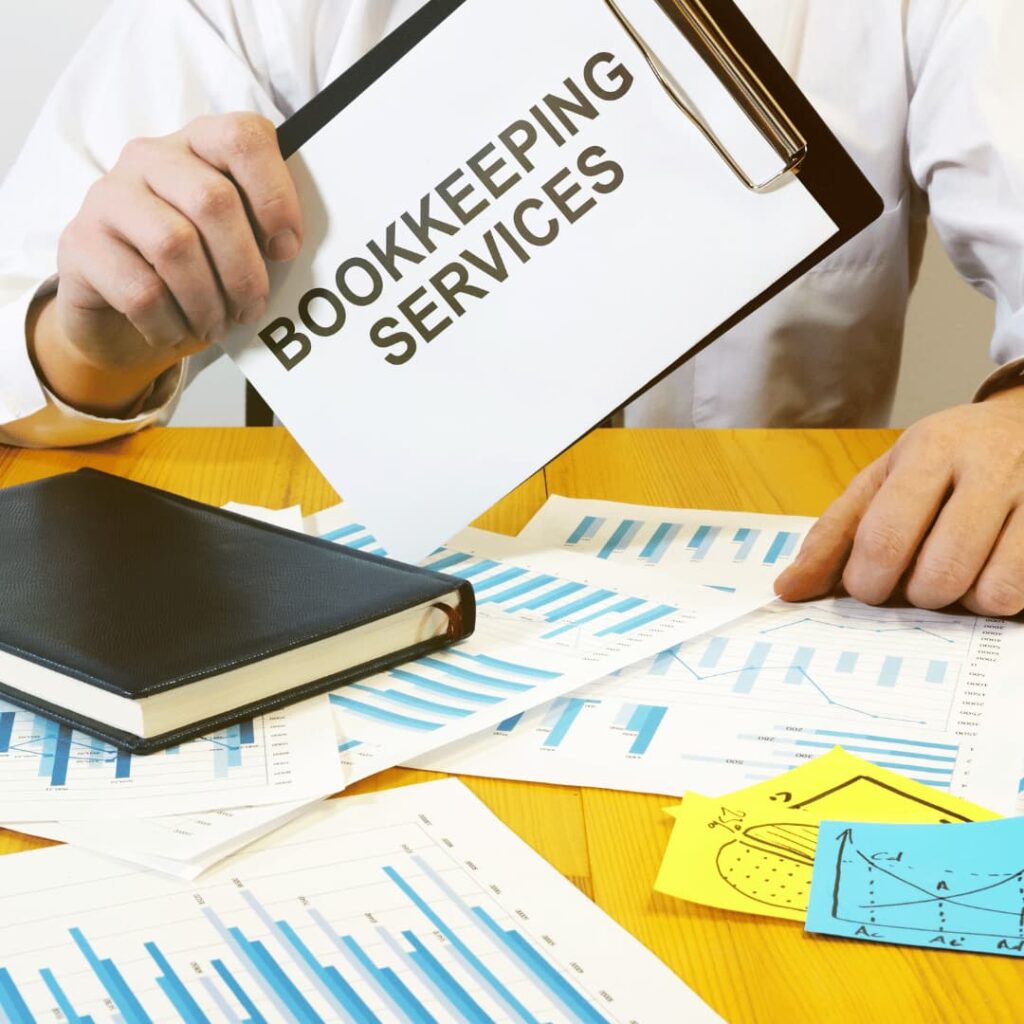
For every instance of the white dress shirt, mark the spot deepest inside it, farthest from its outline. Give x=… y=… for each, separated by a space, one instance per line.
x=925 y=94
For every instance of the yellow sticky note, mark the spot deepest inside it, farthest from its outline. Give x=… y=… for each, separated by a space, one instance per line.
x=753 y=850
x=754 y=858
x=839 y=786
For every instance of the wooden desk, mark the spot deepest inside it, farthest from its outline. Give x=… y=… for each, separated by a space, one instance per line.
x=609 y=844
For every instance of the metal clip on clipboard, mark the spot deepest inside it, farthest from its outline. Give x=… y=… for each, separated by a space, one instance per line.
x=739 y=79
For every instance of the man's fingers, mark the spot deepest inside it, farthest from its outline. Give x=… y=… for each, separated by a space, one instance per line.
x=819 y=565
x=120 y=278
x=999 y=589
x=170 y=243
x=245 y=146
x=211 y=201
x=956 y=549
x=896 y=522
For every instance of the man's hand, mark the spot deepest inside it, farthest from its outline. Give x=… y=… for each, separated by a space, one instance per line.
x=164 y=256
x=938 y=519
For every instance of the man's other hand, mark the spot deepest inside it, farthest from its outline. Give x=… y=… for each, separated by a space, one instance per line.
x=938 y=519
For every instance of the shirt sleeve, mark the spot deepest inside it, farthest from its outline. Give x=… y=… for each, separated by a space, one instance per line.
x=34 y=417
x=966 y=151
x=145 y=70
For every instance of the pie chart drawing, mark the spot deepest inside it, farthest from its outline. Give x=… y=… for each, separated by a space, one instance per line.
x=881 y=892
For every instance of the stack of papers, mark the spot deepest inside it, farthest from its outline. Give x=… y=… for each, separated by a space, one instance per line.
x=931 y=695
x=617 y=646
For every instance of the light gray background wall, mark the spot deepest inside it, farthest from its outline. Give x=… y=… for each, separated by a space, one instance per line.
x=948 y=326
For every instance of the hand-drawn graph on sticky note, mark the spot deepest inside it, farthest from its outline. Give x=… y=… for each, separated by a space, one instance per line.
x=958 y=887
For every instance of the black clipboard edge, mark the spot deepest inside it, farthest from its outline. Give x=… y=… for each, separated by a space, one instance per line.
x=355 y=80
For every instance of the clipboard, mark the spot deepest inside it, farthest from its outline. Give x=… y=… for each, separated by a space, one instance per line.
x=743 y=63
x=470 y=295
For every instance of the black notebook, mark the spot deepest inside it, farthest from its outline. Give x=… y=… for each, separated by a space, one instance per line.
x=145 y=618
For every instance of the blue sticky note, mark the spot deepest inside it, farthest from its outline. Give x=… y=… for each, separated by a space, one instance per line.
x=956 y=886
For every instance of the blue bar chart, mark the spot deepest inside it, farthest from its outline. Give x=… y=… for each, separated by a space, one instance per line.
x=902 y=687
x=642 y=720
x=57 y=747
x=569 y=605
x=622 y=536
x=360 y=916
x=560 y=717
x=661 y=540
x=744 y=538
x=355 y=536
x=929 y=761
x=709 y=548
x=393 y=971
x=53 y=772
x=650 y=541
x=702 y=541
x=782 y=546
x=586 y=529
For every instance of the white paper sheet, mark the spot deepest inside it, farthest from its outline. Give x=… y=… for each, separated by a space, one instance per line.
x=180 y=845
x=997 y=768
x=417 y=898
x=656 y=247
x=290 y=518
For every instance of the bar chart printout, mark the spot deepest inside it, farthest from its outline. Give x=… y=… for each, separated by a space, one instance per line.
x=410 y=905
x=708 y=547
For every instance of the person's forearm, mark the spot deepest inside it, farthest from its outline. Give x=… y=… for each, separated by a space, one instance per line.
x=100 y=391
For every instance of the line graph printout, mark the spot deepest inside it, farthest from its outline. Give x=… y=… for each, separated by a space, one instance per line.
x=954 y=887
x=409 y=905
x=902 y=688
x=50 y=772
x=547 y=623
x=729 y=549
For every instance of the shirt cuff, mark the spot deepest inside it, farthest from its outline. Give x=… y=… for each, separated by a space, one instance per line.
x=21 y=394
x=59 y=425
x=32 y=416
x=1008 y=376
